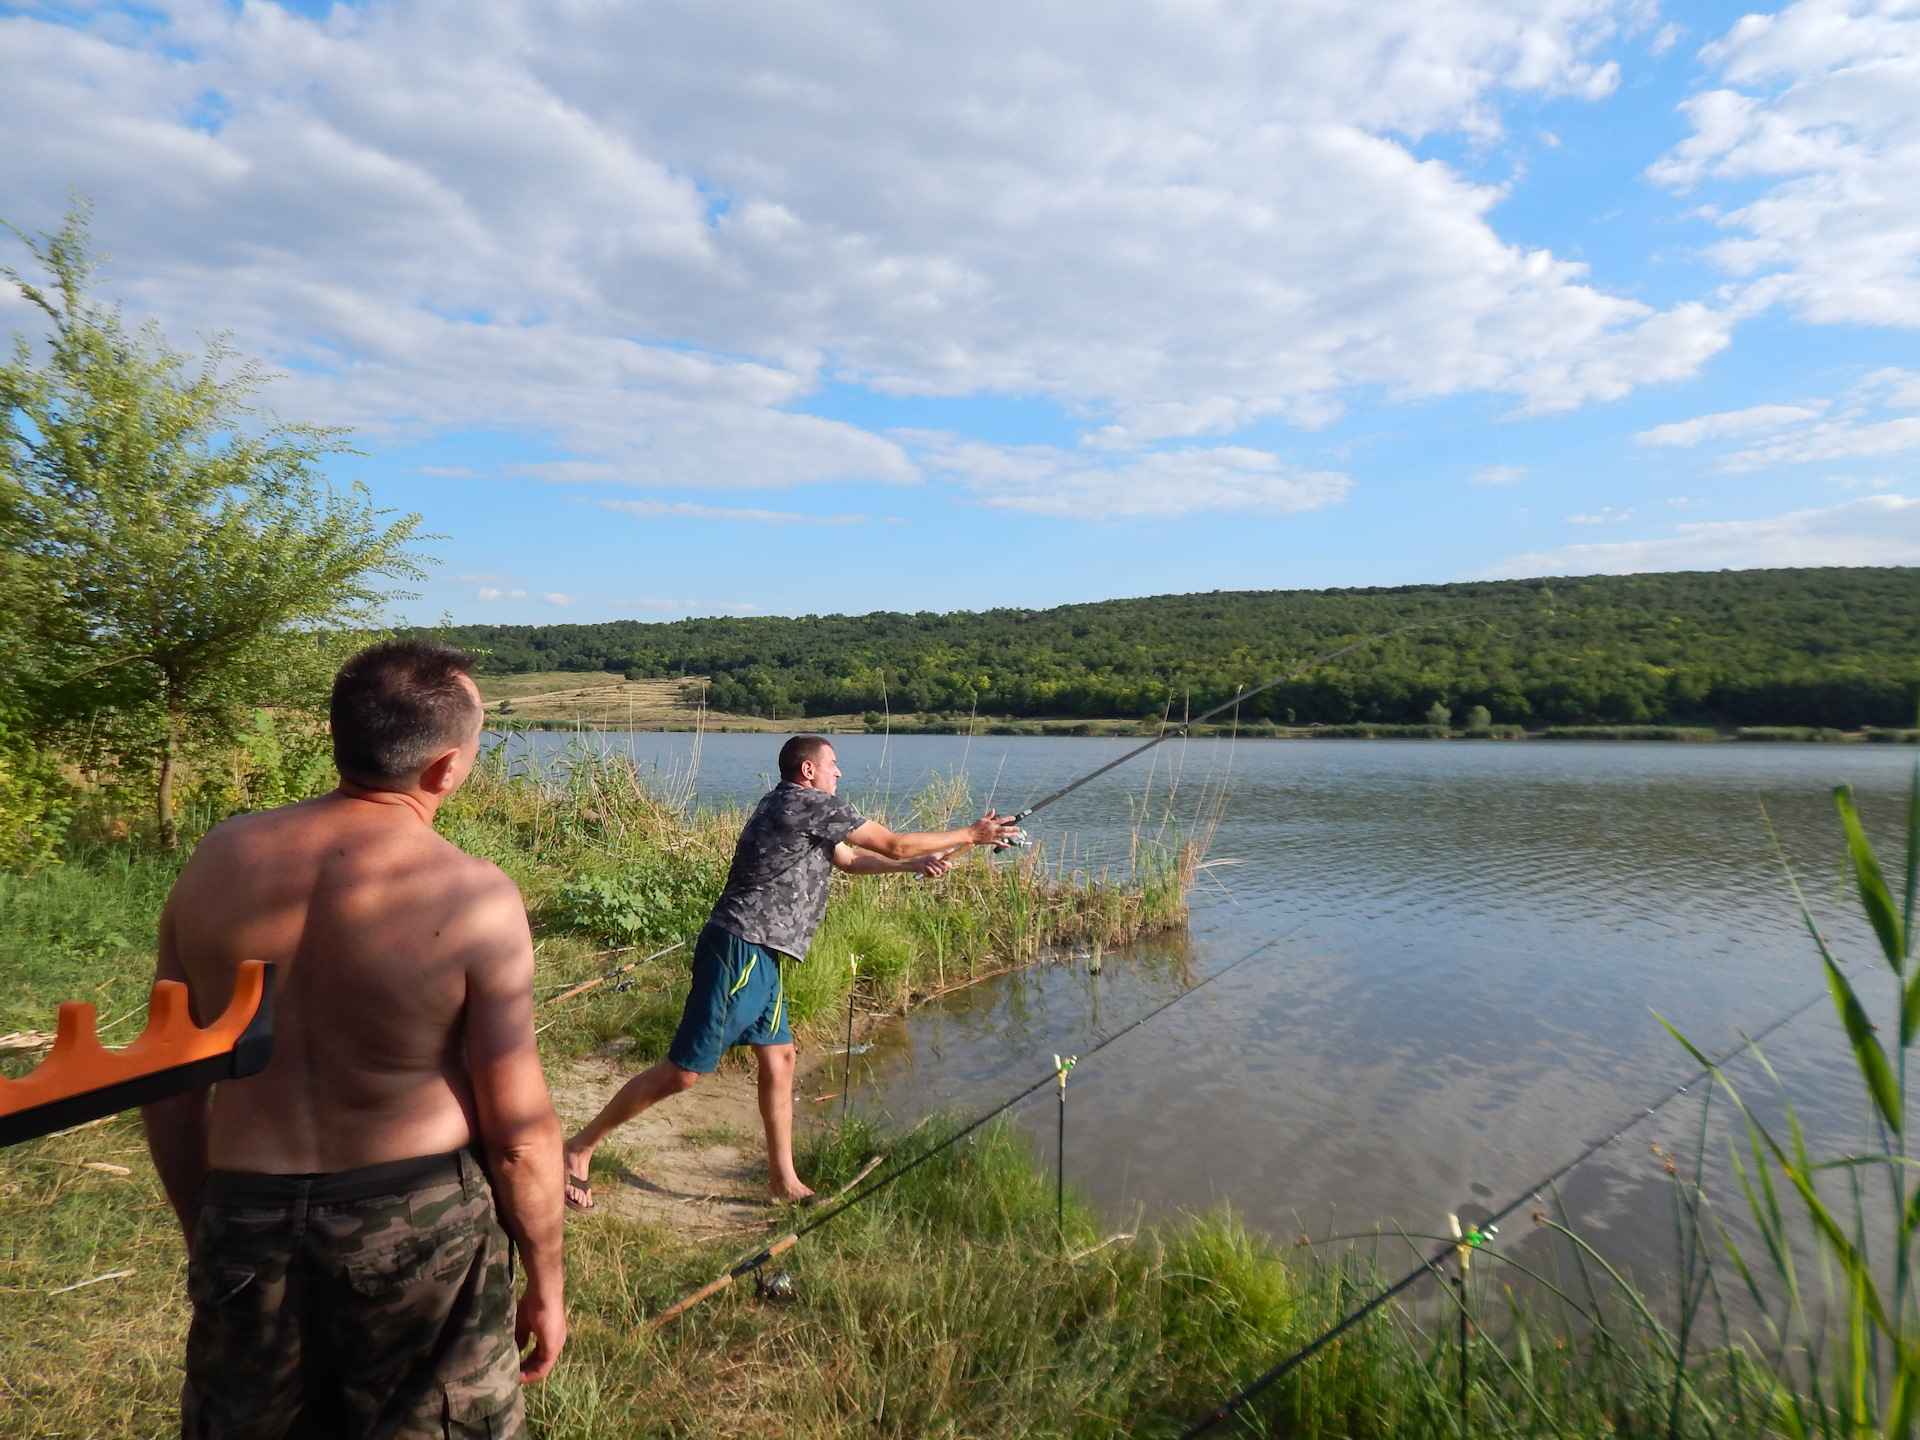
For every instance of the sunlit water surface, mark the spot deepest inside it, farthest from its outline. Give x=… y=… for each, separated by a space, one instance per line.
x=1469 y=941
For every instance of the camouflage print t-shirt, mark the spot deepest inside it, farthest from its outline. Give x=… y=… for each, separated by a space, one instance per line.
x=776 y=892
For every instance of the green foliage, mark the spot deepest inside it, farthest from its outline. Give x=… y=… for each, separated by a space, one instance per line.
x=189 y=562
x=80 y=931
x=1479 y=718
x=36 y=804
x=1630 y=732
x=1817 y=647
x=1845 y=1363
x=645 y=903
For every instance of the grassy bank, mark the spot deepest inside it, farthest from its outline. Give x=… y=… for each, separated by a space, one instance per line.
x=951 y=1305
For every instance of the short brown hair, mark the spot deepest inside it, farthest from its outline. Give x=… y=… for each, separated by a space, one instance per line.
x=798 y=751
x=395 y=706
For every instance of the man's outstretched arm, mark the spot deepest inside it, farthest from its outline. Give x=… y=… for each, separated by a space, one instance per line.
x=865 y=862
x=518 y=1127
x=872 y=836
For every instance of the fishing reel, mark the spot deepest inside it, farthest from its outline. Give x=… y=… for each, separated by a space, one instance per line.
x=777 y=1288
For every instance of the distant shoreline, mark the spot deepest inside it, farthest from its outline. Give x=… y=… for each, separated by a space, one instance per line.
x=1132 y=730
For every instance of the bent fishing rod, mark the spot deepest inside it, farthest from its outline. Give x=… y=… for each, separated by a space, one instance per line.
x=845 y=1201
x=1478 y=1235
x=1239 y=698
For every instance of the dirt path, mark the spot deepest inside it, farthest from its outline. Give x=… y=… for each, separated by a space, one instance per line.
x=696 y=1162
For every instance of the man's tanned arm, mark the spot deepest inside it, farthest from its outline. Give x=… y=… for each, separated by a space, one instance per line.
x=877 y=839
x=519 y=1130
x=177 y=1126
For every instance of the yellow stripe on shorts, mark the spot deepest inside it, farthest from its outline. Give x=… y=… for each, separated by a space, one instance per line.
x=745 y=975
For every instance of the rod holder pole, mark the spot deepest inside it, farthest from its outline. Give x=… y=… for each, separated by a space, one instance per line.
x=1062 y=1066
x=846 y=1073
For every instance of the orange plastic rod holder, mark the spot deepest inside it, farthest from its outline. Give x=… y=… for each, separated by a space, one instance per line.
x=82 y=1080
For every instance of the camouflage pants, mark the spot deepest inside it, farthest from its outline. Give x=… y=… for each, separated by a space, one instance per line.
x=372 y=1304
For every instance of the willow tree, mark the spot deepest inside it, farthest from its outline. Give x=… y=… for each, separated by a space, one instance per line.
x=198 y=563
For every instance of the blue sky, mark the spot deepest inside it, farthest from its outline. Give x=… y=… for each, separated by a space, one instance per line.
x=657 y=309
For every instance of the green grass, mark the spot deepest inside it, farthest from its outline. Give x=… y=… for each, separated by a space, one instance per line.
x=952 y=1304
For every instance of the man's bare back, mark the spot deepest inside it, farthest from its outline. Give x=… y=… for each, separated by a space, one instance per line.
x=403 y=1107
x=377 y=927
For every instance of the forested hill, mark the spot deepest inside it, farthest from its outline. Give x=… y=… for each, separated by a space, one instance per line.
x=1788 y=647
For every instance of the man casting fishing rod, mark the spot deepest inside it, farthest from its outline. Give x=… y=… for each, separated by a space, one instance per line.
x=774 y=901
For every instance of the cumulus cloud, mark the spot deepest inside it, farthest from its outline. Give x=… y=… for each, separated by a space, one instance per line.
x=649 y=231
x=1874 y=530
x=494 y=592
x=1822 y=106
x=1500 y=475
x=554 y=597
x=1045 y=480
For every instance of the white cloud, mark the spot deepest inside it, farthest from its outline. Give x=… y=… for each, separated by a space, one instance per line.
x=712 y=512
x=651 y=230
x=1500 y=475
x=1754 y=419
x=492 y=592
x=1835 y=440
x=1874 y=530
x=1814 y=431
x=1044 y=480
x=554 y=597
x=1822 y=104
x=1605 y=515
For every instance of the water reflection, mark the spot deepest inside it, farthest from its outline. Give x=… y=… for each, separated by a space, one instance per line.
x=1475 y=935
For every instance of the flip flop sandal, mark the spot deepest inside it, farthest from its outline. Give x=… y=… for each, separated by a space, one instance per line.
x=575 y=1185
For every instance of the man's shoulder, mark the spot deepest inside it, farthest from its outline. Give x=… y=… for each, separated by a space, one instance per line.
x=798 y=806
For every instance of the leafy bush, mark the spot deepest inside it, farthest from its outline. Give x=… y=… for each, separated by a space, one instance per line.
x=35 y=806
x=650 y=902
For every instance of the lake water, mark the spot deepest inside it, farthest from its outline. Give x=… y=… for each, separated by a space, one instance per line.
x=1475 y=936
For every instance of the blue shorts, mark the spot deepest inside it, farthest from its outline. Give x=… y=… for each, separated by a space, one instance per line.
x=736 y=999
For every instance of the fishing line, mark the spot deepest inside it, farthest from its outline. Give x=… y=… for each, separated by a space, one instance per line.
x=1169 y=732
x=1478 y=1233
x=761 y=1257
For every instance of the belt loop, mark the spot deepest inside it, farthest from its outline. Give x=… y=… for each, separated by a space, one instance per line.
x=302 y=1198
x=463 y=1157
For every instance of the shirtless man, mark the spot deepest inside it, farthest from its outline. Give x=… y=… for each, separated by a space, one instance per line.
x=775 y=898
x=348 y=1272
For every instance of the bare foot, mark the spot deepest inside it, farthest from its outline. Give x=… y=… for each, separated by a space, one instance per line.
x=794 y=1194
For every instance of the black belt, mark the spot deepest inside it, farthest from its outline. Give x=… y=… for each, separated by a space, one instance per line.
x=339 y=1187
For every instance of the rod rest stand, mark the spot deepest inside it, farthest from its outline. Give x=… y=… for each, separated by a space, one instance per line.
x=82 y=1080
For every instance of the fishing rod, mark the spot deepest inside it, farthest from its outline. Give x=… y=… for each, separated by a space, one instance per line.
x=846 y=1202
x=1478 y=1235
x=1239 y=697
x=613 y=974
